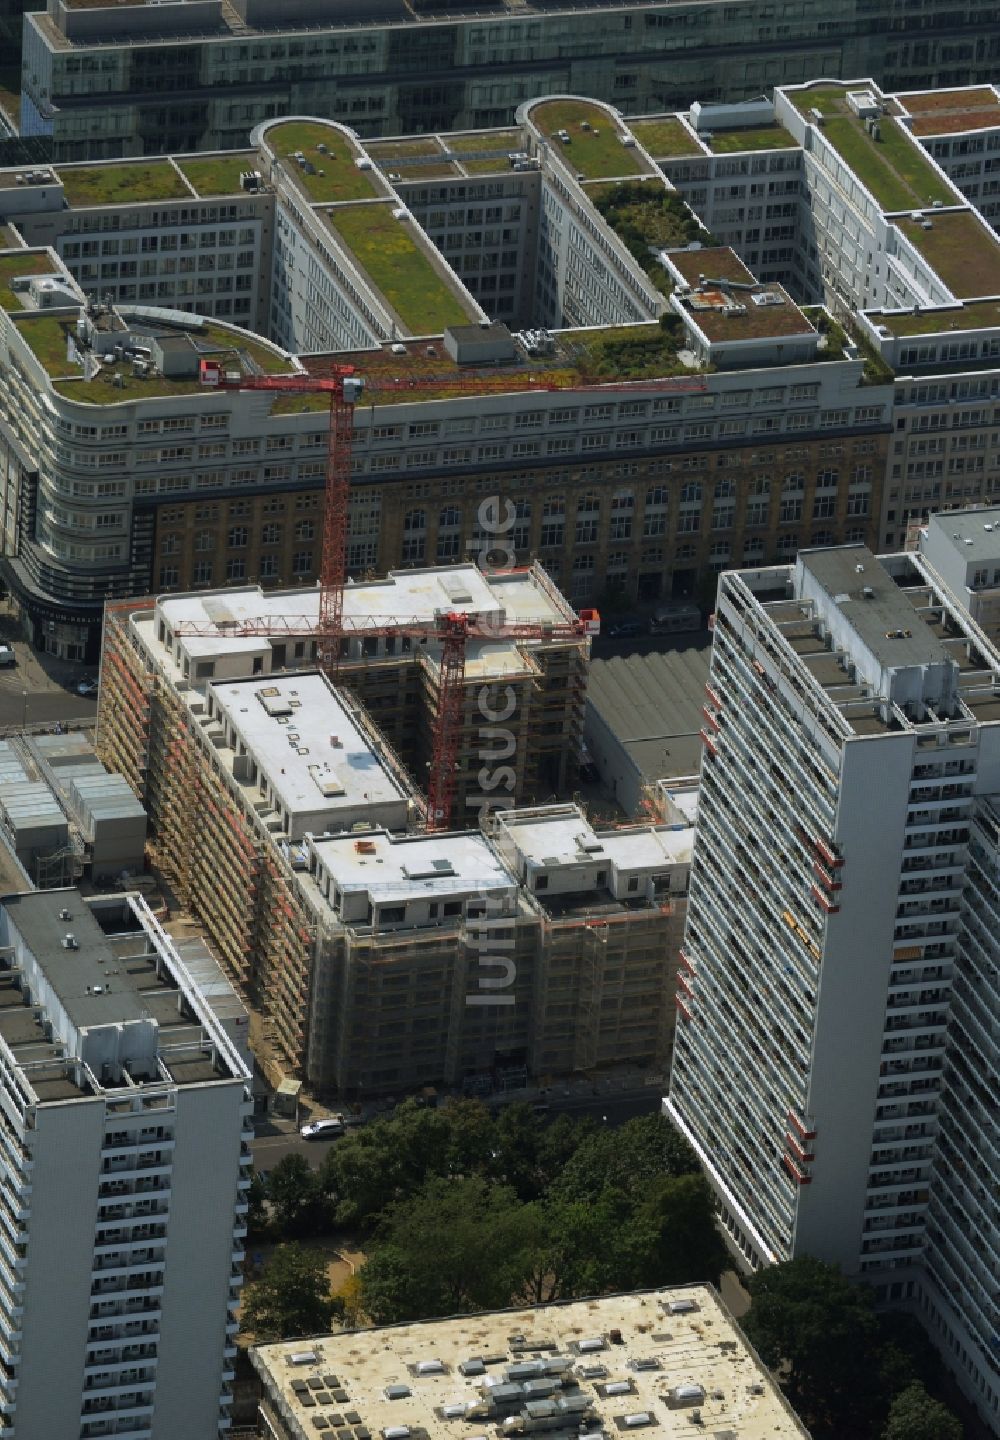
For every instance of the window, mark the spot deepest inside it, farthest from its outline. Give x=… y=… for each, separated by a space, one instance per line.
x=691 y=493
x=203 y=572
x=237 y=537
x=302 y=562
x=236 y=569
x=824 y=507
x=305 y=530
x=553 y=522
x=169 y=575
x=204 y=540
x=270 y=534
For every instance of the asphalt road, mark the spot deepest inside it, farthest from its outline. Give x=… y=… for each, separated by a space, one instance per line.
x=39 y=690
x=270 y=1146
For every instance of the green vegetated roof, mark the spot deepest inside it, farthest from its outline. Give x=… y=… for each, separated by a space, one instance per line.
x=12 y=267
x=893 y=168
x=665 y=137
x=120 y=182
x=644 y=214
x=218 y=174
x=399 y=268
x=630 y=352
x=47 y=337
x=340 y=179
x=758 y=137
x=963 y=252
x=596 y=156
x=980 y=315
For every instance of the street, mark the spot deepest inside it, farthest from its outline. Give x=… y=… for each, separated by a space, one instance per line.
x=40 y=690
x=272 y=1144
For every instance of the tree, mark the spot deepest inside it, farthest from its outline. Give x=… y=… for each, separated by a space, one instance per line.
x=291 y=1298
x=257 y=1222
x=296 y=1197
x=630 y=1158
x=913 y=1415
x=805 y=1315
x=682 y=1243
x=457 y=1245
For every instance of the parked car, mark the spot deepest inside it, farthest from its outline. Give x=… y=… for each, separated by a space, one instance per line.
x=625 y=629
x=87 y=686
x=7 y=656
x=323 y=1129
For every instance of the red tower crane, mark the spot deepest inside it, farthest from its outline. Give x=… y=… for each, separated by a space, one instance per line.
x=345 y=389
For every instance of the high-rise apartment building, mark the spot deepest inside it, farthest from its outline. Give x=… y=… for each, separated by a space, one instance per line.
x=124 y=1130
x=105 y=79
x=836 y=1059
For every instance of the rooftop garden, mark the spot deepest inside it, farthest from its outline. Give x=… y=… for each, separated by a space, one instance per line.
x=580 y=357
x=645 y=214
x=665 y=138
x=759 y=137
x=218 y=174
x=981 y=315
x=47 y=336
x=22 y=262
x=950 y=112
x=399 y=268
x=893 y=168
x=836 y=341
x=387 y=152
x=475 y=142
x=335 y=175
x=121 y=182
x=630 y=352
x=595 y=149
x=963 y=252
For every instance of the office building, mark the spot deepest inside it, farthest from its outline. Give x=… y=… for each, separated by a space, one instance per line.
x=962 y=549
x=666 y=1359
x=838 y=970
x=125 y=1139
x=109 y=80
x=753 y=427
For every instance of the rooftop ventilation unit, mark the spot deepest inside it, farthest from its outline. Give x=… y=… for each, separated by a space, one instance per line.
x=70 y=942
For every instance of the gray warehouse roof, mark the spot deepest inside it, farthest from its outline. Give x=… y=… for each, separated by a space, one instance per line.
x=653 y=703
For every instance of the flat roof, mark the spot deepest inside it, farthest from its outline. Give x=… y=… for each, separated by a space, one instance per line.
x=75 y=973
x=975 y=534
x=652 y=704
x=288 y=724
x=405 y=867
x=765 y=312
x=402 y=595
x=558 y=839
x=884 y=620
x=964 y=252
x=714 y=262
x=664 y=1341
x=951 y=112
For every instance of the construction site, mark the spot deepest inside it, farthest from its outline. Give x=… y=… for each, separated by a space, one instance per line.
x=382 y=936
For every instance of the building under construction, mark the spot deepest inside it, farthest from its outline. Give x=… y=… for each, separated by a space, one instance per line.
x=377 y=956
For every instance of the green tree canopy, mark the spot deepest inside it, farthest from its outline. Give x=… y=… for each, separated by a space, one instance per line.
x=807 y=1316
x=680 y=1241
x=914 y=1415
x=457 y=1245
x=291 y=1298
x=296 y=1198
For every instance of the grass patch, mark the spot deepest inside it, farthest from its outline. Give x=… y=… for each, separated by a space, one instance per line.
x=341 y=180
x=643 y=214
x=384 y=152
x=413 y=174
x=397 y=266
x=46 y=336
x=891 y=168
x=502 y=142
x=219 y=175
x=983 y=315
x=121 y=182
x=961 y=250
x=23 y=262
x=597 y=153
x=827 y=99
x=665 y=138
x=764 y=137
